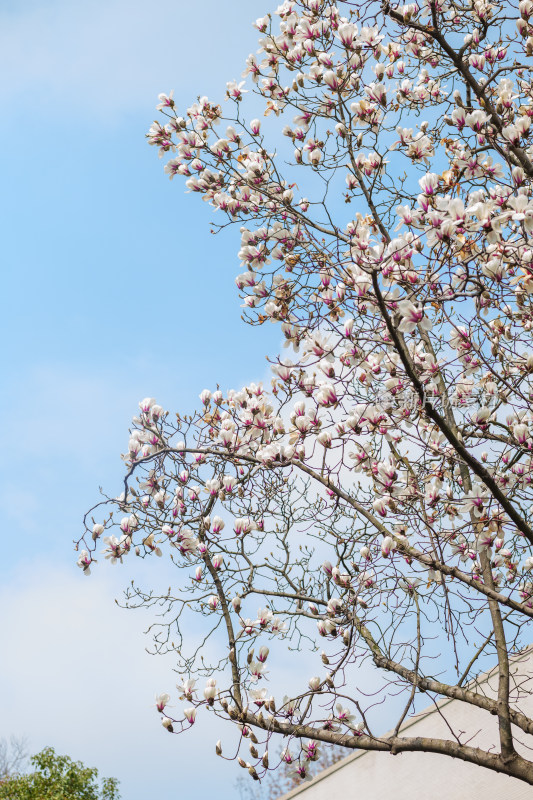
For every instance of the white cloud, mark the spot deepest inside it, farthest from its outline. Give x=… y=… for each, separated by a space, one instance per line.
x=76 y=678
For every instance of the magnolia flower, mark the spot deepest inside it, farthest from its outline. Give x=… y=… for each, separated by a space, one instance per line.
x=474 y=501
x=84 y=562
x=235 y=91
x=330 y=79
x=311 y=750
x=521 y=433
x=481 y=416
x=243 y=525
x=187 y=688
x=161 y=701
x=315 y=156
x=166 y=722
x=165 y=101
x=387 y=545
x=98 y=530
x=113 y=551
x=263 y=653
x=193 y=493
x=334 y=605
x=409 y=585
x=257 y=670
x=428 y=183
x=146 y=404
x=380 y=506
x=128 y=524
x=286 y=756
x=314 y=684
x=213 y=602
x=343 y=714
x=461 y=547
x=248 y=625
x=477 y=120
x=150 y=544
x=484 y=542
x=190 y=715
x=134 y=445
x=325 y=627
x=277 y=626
x=326 y=395
x=264 y=616
x=210 y=690
x=258 y=696
x=212 y=487
x=217 y=525
x=157 y=412
x=229 y=483
x=351 y=181
x=218 y=560
x=340 y=578
x=324 y=437
x=160 y=499
x=412 y=317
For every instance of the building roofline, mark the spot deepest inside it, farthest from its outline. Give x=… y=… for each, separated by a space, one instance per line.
x=481 y=678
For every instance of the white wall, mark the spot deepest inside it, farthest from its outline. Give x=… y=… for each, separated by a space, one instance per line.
x=425 y=776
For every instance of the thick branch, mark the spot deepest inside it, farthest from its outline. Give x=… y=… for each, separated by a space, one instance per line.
x=517 y=767
x=443 y=426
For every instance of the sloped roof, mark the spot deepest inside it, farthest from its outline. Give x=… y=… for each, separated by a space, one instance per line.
x=428 y=776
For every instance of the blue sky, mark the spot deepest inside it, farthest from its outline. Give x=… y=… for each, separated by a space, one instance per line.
x=113 y=290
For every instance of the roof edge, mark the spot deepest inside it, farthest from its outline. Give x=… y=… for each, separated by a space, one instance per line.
x=482 y=678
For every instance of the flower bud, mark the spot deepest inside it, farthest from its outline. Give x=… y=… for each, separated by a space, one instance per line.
x=386 y=546
x=217 y=525
x=161 y=701
x=210 y=691
x=263 y=654
x=97 y=531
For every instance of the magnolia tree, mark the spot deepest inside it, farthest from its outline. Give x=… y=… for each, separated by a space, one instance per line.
x=374 y=503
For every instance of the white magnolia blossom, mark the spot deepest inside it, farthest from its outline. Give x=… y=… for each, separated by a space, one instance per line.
x=376 y=493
